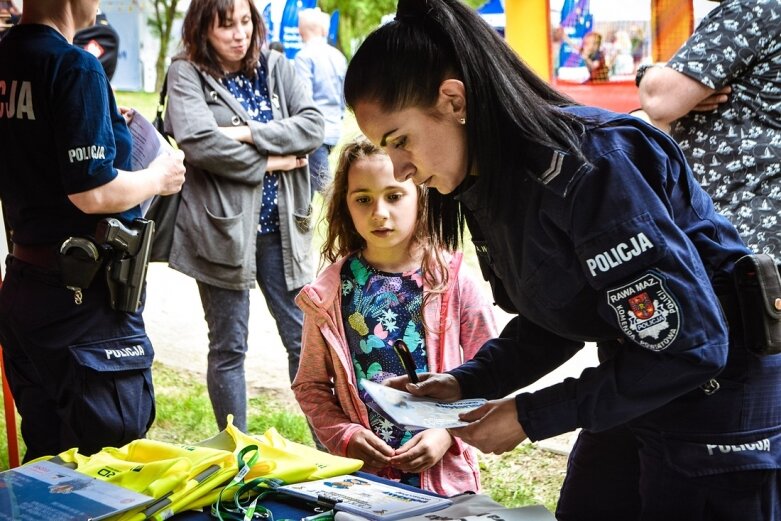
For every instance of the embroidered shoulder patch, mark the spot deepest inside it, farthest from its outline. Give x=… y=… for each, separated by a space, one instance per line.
x=647 y=312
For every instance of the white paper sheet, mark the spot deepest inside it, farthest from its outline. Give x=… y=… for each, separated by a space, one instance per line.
x=415 y=413
x=148 y=145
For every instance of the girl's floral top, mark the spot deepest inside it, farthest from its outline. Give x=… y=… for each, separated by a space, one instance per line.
x=381 y=308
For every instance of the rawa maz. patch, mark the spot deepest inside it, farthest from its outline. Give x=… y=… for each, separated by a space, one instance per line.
x=647 y=312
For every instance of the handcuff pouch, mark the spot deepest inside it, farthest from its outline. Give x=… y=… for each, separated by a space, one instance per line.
x=758 y=287
x=79 y=260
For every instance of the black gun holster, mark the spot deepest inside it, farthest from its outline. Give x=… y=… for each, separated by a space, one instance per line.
x=758 y=285
x=129 y=257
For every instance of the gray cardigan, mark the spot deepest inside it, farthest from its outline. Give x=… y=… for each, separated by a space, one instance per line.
x=216 y=227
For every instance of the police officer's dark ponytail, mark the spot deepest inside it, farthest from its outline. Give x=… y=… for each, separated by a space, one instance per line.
x=509 y=108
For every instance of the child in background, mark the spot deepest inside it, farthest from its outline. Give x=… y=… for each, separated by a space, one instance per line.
x=594 y=57
x=385 y=283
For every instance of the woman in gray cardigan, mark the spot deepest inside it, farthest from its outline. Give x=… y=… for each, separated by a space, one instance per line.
x=246 y=125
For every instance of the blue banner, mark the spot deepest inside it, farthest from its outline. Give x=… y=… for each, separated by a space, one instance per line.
x=576 y=21
x=288 y=29
x=269 y=21
x=333 y=29
x=493 y=12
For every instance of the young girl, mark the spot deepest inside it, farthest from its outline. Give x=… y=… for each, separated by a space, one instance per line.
x=385 y=283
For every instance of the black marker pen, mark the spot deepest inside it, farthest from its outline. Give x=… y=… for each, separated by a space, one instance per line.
x=406 y=360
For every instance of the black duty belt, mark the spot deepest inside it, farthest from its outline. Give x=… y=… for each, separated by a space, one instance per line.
x=45 y=257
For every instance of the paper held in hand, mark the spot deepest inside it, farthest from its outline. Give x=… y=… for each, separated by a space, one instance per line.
x=414 y=413
x=148 y=145
x=367 y=498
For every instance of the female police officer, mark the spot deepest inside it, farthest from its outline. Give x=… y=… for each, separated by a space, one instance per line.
x=589 y=226
x=79 y=370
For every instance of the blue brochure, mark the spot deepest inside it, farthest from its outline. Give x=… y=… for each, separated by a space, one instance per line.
x=45 y=490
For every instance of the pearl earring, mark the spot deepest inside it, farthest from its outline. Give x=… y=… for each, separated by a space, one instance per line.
x=462 y=121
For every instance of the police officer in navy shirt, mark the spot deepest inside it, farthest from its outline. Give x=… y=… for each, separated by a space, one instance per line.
x=591 y=228
x=78 y=370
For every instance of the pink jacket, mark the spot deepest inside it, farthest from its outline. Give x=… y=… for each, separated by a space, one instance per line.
x=325 y=385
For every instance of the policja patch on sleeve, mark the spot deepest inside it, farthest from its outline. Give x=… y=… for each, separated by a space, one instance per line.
x=615 y=251
x=647 y=312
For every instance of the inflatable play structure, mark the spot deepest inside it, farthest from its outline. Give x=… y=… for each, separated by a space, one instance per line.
x=552 y=44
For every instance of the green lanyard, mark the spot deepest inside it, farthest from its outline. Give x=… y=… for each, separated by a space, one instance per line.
x=248 y=496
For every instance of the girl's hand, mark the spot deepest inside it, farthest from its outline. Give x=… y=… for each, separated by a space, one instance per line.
x=366 y=446
x=423 y=451
x=285 y=163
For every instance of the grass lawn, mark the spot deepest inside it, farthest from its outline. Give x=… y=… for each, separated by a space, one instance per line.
x=143 y=102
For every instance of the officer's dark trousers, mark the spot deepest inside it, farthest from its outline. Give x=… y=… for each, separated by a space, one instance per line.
x=80 y=374
x=701 y=457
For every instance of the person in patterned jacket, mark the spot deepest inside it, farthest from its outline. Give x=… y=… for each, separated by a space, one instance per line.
x=720 y=95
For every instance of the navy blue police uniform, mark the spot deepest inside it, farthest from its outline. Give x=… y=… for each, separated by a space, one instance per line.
x=679 y=420
x=80 y=372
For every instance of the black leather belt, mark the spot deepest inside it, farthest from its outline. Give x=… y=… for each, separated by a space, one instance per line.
x=45 y=257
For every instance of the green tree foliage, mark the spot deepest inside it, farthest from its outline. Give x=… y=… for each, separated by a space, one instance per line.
x=357 y=18
x=162 y=24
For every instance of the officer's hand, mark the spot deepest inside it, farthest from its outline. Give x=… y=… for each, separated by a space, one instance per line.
x=713 y=101
x=127 y=113
x=440 y=386
x=366 y=446
x=422 y=451
x=494 y=427
x=170 y=167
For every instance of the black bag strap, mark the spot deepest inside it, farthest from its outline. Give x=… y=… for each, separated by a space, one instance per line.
x=158 y=121
x=163 y=95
